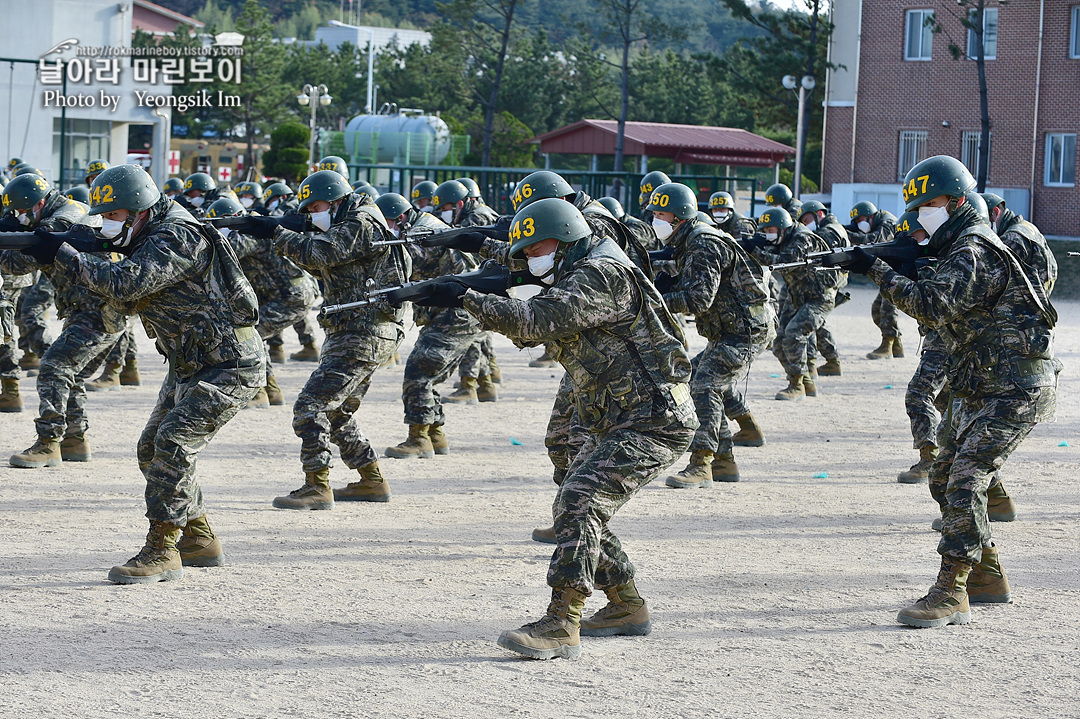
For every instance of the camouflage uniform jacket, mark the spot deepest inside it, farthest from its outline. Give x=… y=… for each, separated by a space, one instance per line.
x=272 y=276
x=718 y=282
x=58 y=215
x=738 y=226
x=608 y=327
x=604 y=224
x=285 y=207
x=645 y=234
x=832 y=232
x=431 y=262
x=882 y=229
x=804 y=284
x=172 y=280
x=344 y=259
x=1030 y=246
x=996 y=323
x=475 y=214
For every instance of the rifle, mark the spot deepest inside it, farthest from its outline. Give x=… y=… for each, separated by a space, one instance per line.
x=433 y=238
x=1073 y=254
x=490 y=278
x=10 y=240
x=902 y=253
x=82 y=237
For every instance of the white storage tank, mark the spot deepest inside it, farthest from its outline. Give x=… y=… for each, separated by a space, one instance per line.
x=399 y=136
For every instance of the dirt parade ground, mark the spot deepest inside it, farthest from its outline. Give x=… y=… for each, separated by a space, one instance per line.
x=773 y=597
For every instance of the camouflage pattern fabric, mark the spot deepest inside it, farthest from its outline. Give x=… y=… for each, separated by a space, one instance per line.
x=735 y=402
x=885 y=316
x=882 y=229
x=565 y=434
x=607 y=325
x=286 y=293
x=125 y=349
x=1030 y=247
x=926 y=392
x=34 y=335
x=738 y=226
x=9 y=366
x=475 y=213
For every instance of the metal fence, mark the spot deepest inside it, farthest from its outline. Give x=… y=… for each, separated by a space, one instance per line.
x=497 y=183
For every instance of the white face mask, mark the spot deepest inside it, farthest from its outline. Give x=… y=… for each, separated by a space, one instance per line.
x=721 y=215
x=864 y=226
x=111 y=229
x=428 y=209
x=663 y=229
x=447 y=216
x=246 y=202
x=24 y=218
x=994 y=225
x=321 y=220
x=772 y=237
x=812 y=225
x=395 y=231
x=543 y=267
x=273 y=203
x=197 y=201
x=931 y=218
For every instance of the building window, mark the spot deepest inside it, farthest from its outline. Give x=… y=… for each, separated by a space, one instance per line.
x=990 y=31
x=86 y=140
x=919 y=37
x=1074 y=33
x=1060 y=159
x=912 y=151
x=969 y=151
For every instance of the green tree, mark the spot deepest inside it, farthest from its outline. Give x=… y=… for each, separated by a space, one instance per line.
x=288 y=153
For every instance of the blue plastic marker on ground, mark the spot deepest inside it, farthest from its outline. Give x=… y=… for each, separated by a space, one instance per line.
x=516 y=443
x=1063 y=444
x=888 y=386
x=775 y=376
x=821 y=475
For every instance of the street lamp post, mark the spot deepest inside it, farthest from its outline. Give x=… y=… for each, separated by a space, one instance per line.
x=807 y=83
x=313 y=95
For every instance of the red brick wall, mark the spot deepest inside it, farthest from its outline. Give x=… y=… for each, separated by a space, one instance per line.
x=837 y=160
x=895 y=95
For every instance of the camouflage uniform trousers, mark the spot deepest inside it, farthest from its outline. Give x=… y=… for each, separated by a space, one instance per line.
x=885 y=316
x=33 y=332
x=735 y=402
x=716 y=369
x=67 y=364
x=565 y=433
x=926 y=392
x=305 y=332
x=795 y=344
x=981 y=433
x=608 y=471
x=784 y=312
x=186 y=417
x=9 y=367
x=476 y=362
x=125 y=349
x=323 y=412
x=438 y=350
x=275 y=316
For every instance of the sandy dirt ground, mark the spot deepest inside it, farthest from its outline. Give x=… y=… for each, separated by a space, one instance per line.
x=774 y=597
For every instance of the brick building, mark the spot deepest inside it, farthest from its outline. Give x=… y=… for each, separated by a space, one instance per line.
x=899 y=97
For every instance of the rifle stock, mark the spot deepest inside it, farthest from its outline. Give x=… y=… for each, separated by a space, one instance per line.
x=17 y=240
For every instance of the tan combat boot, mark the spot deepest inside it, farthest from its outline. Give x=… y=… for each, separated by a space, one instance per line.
x=274 y=395
x=315 y=494
x=43 y=453
x=157 y=561
x=418 y=445
x=810 y=381
x=545 y=535
x=276 y=354
x=75 y=448
x=947 y=601
x=543 y=360
x=495 y=372
x=884 y=350
x=831 y=368
x=920 y=471
x=1000 y=507
x=129 y=375
x=557 y=634
x=897 y=347
x=29 y=360
x=624 y=615
x=107 y=381
x=307 y=353
x=438 y=439
x=795 y=389
x=724 y=468
x=486 y=391
x=749 y=434
x=987 y=583
x=200 y=547
x=372 y=487
x=10 y=399
x=697 y=474
x=465 y=395
x=260 y=401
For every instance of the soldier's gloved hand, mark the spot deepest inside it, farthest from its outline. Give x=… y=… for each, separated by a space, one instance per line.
x=855 y=260
x=296 y=222
x=444 y=294
x=470 y=241
x=8 y=223
x=754 y=242
x=44 y=252
x=85 y=239
x=665 y=283
x=259 y=226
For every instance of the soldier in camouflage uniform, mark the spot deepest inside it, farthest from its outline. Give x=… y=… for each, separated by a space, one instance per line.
x=722 y=209
x=609 y=328
x=90 y=329
x=340 y=250
x=32 y=306
x=13 y=287
x=724 y=288
x=780 y=195
x=996 y=323
x=825 y=225
x=193 y=300
x=871 y=226
x=200 y=191
x=644 y=233
x=649 y=182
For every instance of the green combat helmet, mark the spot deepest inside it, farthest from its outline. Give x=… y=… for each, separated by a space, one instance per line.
x=325 y=185
x=225 y=207
x=123 y=187
x=975 y=200
x=79 y=193
x=28 y=170
x=450 y=192
x=908 y=223
x=471 y=186
x=934 y=177
x=423 y=190
x=365 y=189
x=539 y=185
x=613 y=206
x=676 y=198
x=706 y=218
x=25 y=191
x=199 y=181
x=14 y=162
x=812 y=207
x=778 y=195
x=863 y=209
x=174 y=185
x=249 y=188
x=95 y=168
x=392 y=205
x=545 y=219
x=776 y=217
x=278 y=189
x=721 y=200
x=993 y=201
x=335 y=163
x=653 y=180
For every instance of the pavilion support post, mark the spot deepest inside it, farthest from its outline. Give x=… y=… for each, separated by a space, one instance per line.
x=644 y=163
x=595 y=166
x=776 y=174
x=547 y=160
